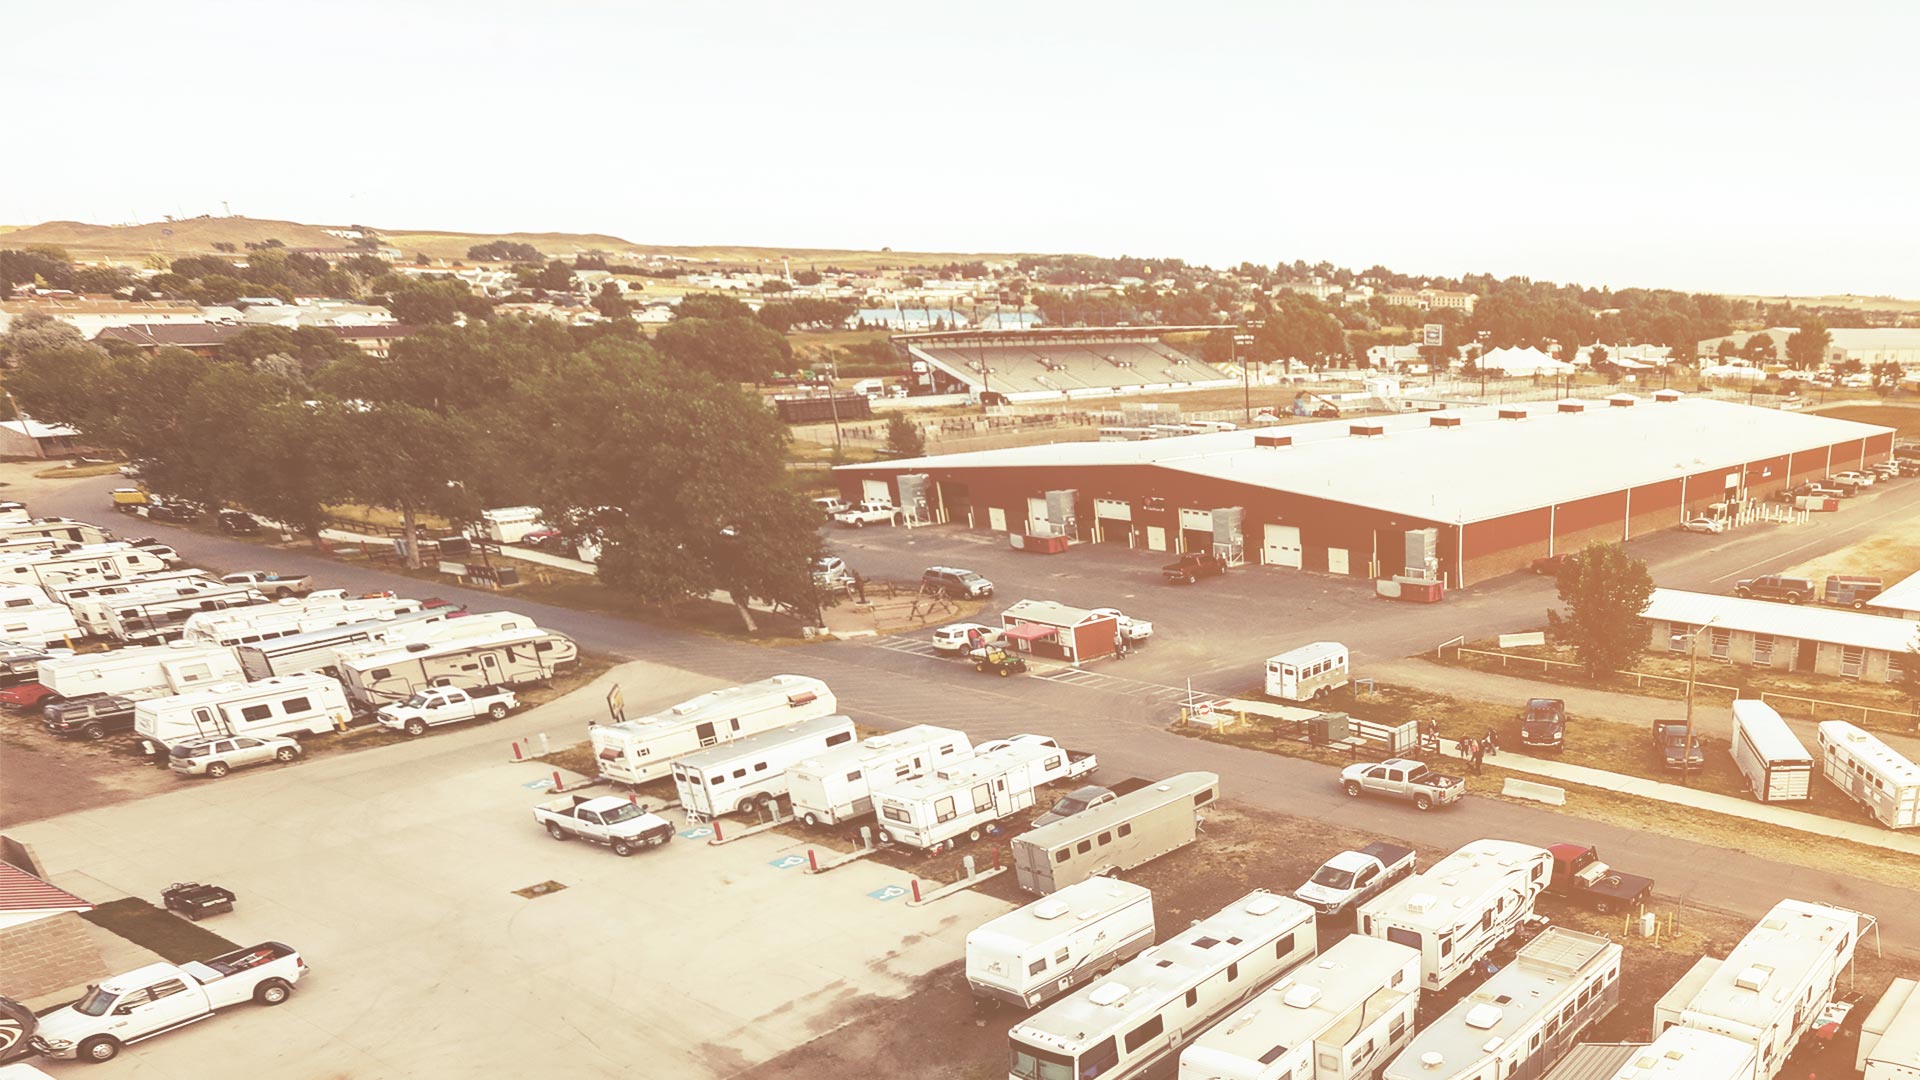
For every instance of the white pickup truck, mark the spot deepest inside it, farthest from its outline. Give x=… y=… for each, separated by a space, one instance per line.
x=1403 y=779
x=1354 y=877
x=869 y=512
x=438 y=705
x=268 y=583
x=158 y=998
x=621 y=824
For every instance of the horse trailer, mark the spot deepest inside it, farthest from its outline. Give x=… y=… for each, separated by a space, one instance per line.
x=752 y=772
x=1309 y=672
x=1135 y=828
x=1766 y=751
x=1871 y=773
x=838 y=786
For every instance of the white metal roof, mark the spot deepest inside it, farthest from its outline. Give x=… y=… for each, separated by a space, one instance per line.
x=1057 y=914
x=1769 y=734
x=1900 y=1045
x=715 y=705
x=877 y=748
x=1882 y=760
x=1902 y=595
x=1765 y=973
x=1048 y=613
x=1686 y=1054
x=726 y=752
x=1308 y=1004
x=1486 y=467
x=1454 y=889
x=1802 y=622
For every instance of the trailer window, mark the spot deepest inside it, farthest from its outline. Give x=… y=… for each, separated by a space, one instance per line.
x=943 y=809
x=760 y=767
x=1233 y=972
x=1126 y=830
x=738 y=773
x=381 y=673
x=1409 y=938
x=1144 y=1034
x=893 y=813
x=1063 y=855
x=1083 y=846
x=1095 y=1062
x=253 y=714
x=1105 y=839
x=1037 y=966
x=842 y=737
x=854 y=776
x=1203 y=798
x=296 y=705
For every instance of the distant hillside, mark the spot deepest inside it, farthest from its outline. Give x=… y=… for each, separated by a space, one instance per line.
x=194 y=236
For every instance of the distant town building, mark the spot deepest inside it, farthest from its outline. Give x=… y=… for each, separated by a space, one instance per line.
x=904 y=319
x=1431 y=299
x=29 y=438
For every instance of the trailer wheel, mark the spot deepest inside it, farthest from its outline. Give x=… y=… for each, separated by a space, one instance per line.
x=810 y=819
x=1423 y=802
x=556 y=831
x=272 y=992
x=1353 y=789
x=497 y=711
x=886 y=837
x=973 y=834
x=622 y=848
x=217 y=770
x=100 y=1048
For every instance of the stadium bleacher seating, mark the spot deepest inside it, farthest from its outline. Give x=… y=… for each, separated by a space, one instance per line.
x=1073 y=368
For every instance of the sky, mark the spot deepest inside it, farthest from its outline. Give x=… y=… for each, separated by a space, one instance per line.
x=1741 y=147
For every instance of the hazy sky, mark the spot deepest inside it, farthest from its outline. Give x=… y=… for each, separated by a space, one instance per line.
x=1737 y=147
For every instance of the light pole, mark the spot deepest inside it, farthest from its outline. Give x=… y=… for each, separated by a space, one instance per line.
x=833 y=402
x=1246 y=384
x=1693 y=661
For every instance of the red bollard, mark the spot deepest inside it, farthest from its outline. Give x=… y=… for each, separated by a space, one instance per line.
x=634 y=799
x=716 y=830
x=557 y=785
x=517 y=756
x=813 y=862
x=916 y=890
x=996 y=856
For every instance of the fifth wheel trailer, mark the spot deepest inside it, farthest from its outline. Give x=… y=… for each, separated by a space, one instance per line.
x=1890 y=1035
x=644 y=748
x=838 y=785
x=751 y=772
x=1460 y=908
x=1135 y=828
x=511 y=658
x=1034 y=954
x=140 y=673
x=294 y=705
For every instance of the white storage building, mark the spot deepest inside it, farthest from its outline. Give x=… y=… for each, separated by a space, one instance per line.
x=1784 y=637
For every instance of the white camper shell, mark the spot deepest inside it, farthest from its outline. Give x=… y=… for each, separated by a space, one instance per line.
x=1034 y=954
x=1309 y=672
x=140 y=673
x=752 y=772
x=1147 y=1011
x=837 y=786
x=510 y=524
x=29 y=616
x=1337 y=1018
x=1459 y=908
x=636 y=751
x=1890 y=1035
x=1524 y=1018
x=440 y=655
x=1872 y=773
x=291 y=615
x=1766 y=751
x=1769 y=989
x=295 y=705
x=963 y=798
x=322 y=649
x=1135 y=828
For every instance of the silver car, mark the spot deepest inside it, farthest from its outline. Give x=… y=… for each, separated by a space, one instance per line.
x=219 y=756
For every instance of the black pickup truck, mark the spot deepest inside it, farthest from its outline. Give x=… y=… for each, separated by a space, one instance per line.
x=1579 y=874
x=1191 y=567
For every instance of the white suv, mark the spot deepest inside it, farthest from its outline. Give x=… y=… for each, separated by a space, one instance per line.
x=219 y=756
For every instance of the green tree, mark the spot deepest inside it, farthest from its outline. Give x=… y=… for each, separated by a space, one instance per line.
x=1758 y=347
x=904 y=437
x=1887 y=374
x=1807 y=346
x=410 y=460
x=806 y=277
x=37 y=332
x=1605 y=591
x=739 y=350
x=612 y=304
x=711 y=306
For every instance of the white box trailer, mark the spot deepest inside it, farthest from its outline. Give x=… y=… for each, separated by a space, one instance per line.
x=838 y=786
x=1871 y=773
x=642 y=749
x=162 y=614
x=1766 y=751
x=292 y=615
x=1034 y=954
x=295 y=705
x=510 y=524
x=65 y=530
x=1309 y=672
x=966 y=797
x=140 y=673
x=28 y=616
x=1890 y=1035
x=320 y=650
x=1459 y=908
x=751 y=773
x=1135 y=828
x=1769 y=989
x=1337 y=1018
x=1139 y=1018
x=89 y=562
x=508 y=658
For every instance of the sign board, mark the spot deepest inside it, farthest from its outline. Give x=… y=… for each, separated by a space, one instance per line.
x=448 y=567
x=1520 y=641
x=617 y=703
x=1432 y=335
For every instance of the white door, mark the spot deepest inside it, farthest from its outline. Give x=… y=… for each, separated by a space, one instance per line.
x=1283 y=546
x=1337 y=560
x=876 y=489
x=490 y=668
x=1156 y=538
x=1037 y=517
x=996 y=519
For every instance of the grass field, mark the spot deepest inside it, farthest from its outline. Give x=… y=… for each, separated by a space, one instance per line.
x=1848 y=301
x=1904 y=419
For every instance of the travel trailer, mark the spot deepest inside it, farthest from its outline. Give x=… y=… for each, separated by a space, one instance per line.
x=320 y=650
x=508 y=658
x=295 y=705
x=752 y=772
x=140 y=673
x=1871 y=773
x=28 y=617
x=289 y=616
x=64 y=530
x=1686 y=1054
x=1337 y=1018
x=1775 y=763
x=1135 y=828
x=838 y=786
x=1148 y=1010
x=1459 y=908
x=1308 y=672
x=642 y=749
x=964 y=798
x=1524 y=1018
x=89 y=562
x=72 y=593
x=164 y=605
x=1890 y=1035
x=1034 y=954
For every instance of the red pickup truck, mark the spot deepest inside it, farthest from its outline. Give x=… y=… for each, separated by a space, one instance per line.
x=26 y=695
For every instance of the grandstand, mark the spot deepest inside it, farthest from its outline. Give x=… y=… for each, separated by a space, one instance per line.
x=1050 y=363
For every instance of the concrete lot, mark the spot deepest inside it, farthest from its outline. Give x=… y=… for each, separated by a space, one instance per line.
x=393 y=871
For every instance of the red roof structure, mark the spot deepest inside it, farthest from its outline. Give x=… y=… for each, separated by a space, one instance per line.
x=21 y=891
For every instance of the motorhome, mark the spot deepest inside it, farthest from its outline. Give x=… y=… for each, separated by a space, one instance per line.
x=71 y=593
x=506 y=658
x=160 y=614
x=1135 y=828
x=291 y=615
x=752 y=772
x=642 y=749
x=1686 y=1054
x=1768 y=990
x=1034 y=954
x=1524 y=1018
x=1775 y=763
x=1308 y=672
x=29 y=617
x=320 y=650
x=1890 y=1035
x=89 y=562
x=1337 y=1018
x=64 y=530
x=838 y=786
x=1871 y=773
x=1459 y=908
x=967 y=796
x=1144 y=1013
x=140 y=673
x=294 y=705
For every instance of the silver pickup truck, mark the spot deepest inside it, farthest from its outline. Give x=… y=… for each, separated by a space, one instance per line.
x=1403 y=779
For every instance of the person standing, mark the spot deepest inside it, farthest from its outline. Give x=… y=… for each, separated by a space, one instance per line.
x=1479 y=753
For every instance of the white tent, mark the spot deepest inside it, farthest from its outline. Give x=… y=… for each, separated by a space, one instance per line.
x=1527 y=361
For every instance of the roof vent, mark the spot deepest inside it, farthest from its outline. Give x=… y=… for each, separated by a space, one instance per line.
x=1622 y=401
x=1300 y=997
x=1753 y=978
x=1112 y=993
x=1419 y=902
x=1273 y=440
x=1049 y=909
x=1483 y=1016
x=1264 y=904
x=1573 y=406
x=1432 y=1060
x=1513 y=414
x=1367 y=431
x=1443 y=421
x=1666 y=395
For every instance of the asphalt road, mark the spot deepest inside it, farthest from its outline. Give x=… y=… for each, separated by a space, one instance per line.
x=1216 y=634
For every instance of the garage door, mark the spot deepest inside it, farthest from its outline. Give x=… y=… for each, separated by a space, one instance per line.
x=1037 y=516
x=1282 y=547
x=1116 y=518
x=876 y=489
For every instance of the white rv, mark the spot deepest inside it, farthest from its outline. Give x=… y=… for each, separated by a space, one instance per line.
x=642 y=749
x=1890 y=1035
x=1148 y=1009
x=28 y=616
x=752 y=772
x=64 y=530
x=321 y=650
x=1524 y=1018
x=1308 y=672
x=1765 y=750
x=140 y=673
x=1337 y=1018
x=967 y=796
x=837 y=786
x=1034 y=954
x=1872 y=773
x=160 y=613
x=509 y=658
x=294 y=705
x=1460 y=907
x=1768 y=990
x=1686 y=1054
x=72 y=593
x=89 y=562
x=291 y=615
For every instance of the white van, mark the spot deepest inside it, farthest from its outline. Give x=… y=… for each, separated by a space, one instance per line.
x=292 y=705
x=1309 y=672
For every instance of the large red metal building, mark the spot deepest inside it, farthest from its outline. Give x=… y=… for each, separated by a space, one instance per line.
x=1473 y=492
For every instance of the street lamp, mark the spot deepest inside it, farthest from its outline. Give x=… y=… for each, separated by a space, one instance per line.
x=1246 y=384
x=1693 y=661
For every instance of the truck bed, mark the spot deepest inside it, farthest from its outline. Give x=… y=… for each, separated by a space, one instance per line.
x=1390 y=855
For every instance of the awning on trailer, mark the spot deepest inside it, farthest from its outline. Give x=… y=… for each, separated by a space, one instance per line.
x=1027 y=631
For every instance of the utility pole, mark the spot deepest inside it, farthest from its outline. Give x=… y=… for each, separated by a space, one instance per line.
x=833 y=402
x=1246 y=384
x=1693 y=662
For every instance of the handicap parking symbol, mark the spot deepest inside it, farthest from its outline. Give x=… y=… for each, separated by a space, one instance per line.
x=787 y=862
x=888 y=892
x=537 y=785
x=698 y=832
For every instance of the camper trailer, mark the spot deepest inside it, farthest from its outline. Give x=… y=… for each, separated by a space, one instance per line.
x=1308 y=672
x=1890 y=1035
x=837 y=786
x=321 y=650
x=146 y=610
x=1337 y=1018
x=29 y=617
x=1032 y=955
x=1686 y=1054
x=1144 y=1013
x=289 y=616
x=89 y=562
x=752 y=772
x=963 y=798
x=636 y=751
x=140 y=673
x=1459 y=908
x=1872 y=773
x=73 y=593
x=1766 y=751
x=1524 y=1018
x=64 y=530
x=1768 y=990
x=1135 y=828
x=508 y=658
x=295 y=705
